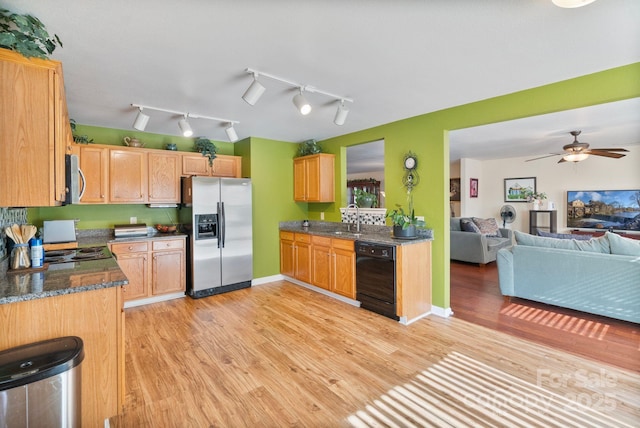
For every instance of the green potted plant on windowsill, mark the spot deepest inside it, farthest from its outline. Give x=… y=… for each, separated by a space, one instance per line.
x=365 y=199
x=404 y=225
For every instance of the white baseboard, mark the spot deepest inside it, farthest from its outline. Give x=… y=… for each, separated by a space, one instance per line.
x=154 y=299
x=268 y=279
x=441 y=312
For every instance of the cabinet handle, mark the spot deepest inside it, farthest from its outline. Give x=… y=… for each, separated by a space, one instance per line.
x=130 y=248
x=101 y=196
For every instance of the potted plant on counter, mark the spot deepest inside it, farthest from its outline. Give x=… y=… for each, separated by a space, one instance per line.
x=365 y=199
x=404 y=225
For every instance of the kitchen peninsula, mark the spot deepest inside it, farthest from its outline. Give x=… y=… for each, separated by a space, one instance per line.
x=304 y=250
x=83 y=300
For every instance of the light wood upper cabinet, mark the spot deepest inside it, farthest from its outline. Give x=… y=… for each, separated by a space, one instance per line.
x=314 y=178
x=94 y=163
x=164 y=177
x=34 y=131
x=127 y=176
x=223 y=166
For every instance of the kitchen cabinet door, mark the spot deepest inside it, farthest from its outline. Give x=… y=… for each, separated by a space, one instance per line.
x=303 y=257
x=164 y=177
x=127 y=176
x=168 y=272
x=227 y=166
x=195 y=164
x=343 y=280
x=94 y=163
x=321 y=262
x=134 y=266
x=287 y=254
x=314 y=178
x=33 y=117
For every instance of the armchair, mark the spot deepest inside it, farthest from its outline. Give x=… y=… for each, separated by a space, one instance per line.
x=475 y=247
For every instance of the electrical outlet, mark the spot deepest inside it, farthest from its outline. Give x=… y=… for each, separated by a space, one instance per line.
x=133 y=220
x=420 y=217
x=321 y=215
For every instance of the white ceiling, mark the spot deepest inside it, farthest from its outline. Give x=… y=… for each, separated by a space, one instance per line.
x=396 y=59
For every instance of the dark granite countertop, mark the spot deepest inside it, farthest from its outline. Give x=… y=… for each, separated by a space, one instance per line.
x=368 y=232
x=73 y=277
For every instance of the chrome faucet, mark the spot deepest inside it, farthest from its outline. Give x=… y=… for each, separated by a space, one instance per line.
x=357 y=216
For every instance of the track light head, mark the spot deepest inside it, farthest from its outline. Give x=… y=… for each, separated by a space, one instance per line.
x=302 y=104
x=141 y=120
x=341 y=114
x=231 y=133
x=254 y=91
x=185 y=127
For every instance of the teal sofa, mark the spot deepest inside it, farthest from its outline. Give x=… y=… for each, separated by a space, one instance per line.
x=599 y=276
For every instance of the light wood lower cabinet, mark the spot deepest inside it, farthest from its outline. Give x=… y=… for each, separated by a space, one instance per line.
x=153 y=267
x=324 y=262
x=296 y=262
x=97 y=317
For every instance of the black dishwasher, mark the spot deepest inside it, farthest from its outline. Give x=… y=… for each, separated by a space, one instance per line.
x=376 y=278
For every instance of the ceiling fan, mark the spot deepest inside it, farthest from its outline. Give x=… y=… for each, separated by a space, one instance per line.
x=577 y=151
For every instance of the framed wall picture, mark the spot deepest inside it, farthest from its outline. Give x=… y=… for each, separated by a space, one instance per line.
x=515 y=189
x=473 y=188
x=454 y=189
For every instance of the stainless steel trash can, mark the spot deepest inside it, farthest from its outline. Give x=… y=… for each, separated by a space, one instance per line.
x=40 y=384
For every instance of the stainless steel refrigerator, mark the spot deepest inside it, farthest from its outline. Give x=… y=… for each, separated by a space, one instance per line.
x=221 y=244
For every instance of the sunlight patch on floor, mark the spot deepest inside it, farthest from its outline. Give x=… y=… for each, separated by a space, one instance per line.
x=461 y=391
x=548 y=318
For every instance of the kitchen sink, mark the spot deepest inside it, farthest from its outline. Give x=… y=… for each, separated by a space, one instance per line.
x=355 y=235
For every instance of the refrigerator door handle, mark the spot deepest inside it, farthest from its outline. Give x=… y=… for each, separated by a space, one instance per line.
x=219 y=224
x=223 y=225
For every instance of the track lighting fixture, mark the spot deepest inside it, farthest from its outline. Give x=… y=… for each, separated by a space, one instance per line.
x=341 y=114
x=301 y=103
x=254 y=91
x=231 y=133
x=141 y=120
x=298 y=100
x=185 y=128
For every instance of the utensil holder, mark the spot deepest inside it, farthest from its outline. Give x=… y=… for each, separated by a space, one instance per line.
x=20 y=256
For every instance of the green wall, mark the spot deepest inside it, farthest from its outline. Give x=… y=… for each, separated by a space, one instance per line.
x=270 y=165
x=427 y=136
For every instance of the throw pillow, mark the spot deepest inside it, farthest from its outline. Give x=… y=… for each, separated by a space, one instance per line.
x=468 y=226
x=564 y=235
x=594 y=245
x=623 y=246
x=487 y=226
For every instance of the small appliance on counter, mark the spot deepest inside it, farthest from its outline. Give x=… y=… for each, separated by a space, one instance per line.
x=129 y=230
x=59 y=234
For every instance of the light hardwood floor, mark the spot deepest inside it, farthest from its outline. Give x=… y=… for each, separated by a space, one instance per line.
x=281 y=355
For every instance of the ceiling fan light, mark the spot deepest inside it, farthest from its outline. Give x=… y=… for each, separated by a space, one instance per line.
x=341 y=114
x=572 y=3
x=232 y=135
x=141 y=121
x=302 y=104
x=253 y=92
x=185 y=127
x=575 y=157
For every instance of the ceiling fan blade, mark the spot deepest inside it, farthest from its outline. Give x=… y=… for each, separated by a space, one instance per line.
x=611 y=150
x=561 y=160
x=600 y=152
x=542 y=157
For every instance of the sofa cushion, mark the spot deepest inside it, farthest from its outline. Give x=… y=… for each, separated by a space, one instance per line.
x=593 y=245
x=623 y=246
x=468 y=226
x=564 y=235
x=487 y=226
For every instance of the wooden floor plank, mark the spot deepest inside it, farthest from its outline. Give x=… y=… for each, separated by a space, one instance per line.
x=282 y=355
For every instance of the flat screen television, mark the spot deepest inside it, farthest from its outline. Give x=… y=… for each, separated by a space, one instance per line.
x=604 y=209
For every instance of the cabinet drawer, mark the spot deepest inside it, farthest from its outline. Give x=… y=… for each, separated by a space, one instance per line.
x=168 y=244
x=321 y=240
x=287 y=236
x=303 y=237
x=344 y=244
x=129 y=247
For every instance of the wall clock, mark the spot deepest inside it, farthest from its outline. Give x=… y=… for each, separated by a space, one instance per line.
x=411 y=178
